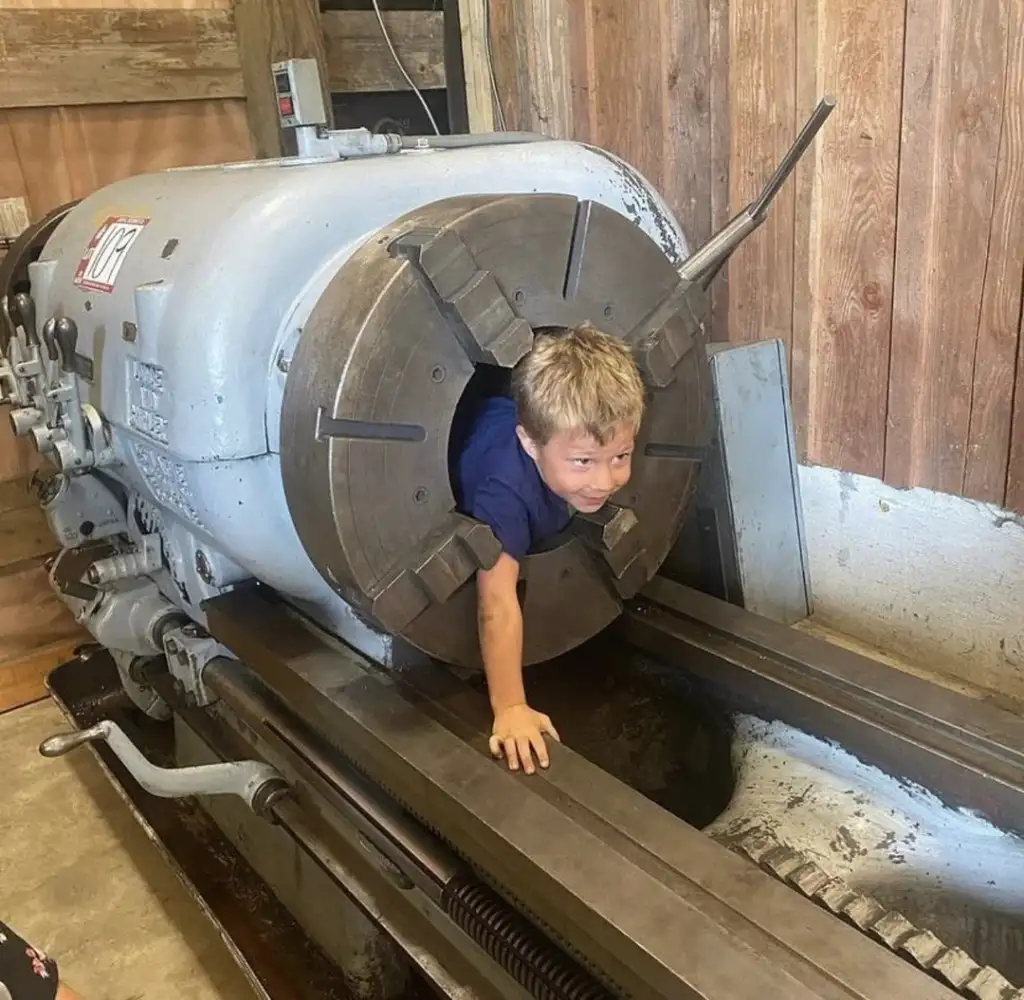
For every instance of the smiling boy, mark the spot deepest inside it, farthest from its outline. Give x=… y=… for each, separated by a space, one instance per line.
x=562 y=444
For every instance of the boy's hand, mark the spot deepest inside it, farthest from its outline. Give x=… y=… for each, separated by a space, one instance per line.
x=517 y=731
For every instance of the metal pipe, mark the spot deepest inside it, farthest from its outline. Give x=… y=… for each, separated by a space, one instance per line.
x=462 y=141
x=796 y=151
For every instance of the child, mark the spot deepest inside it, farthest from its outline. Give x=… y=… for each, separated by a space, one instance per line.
x=563 y=443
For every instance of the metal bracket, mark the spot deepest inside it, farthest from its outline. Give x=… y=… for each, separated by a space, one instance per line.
x=189 y=649
x=448 y=559
x=666 y=335
x=614 y=533
x=487 y=327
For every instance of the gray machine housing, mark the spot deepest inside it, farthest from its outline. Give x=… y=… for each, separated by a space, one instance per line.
x=166 y=309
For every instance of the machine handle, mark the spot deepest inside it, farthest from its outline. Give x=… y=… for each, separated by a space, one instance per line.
x=253 y=781
x=25 y=314
x=62 y=743
x=49 y=340
x=66 y=334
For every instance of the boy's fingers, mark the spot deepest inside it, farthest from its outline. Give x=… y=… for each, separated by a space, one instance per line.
x=546 y=726
x=495 y=745
x=511 y=754
x=523 y=745
x=540 y=748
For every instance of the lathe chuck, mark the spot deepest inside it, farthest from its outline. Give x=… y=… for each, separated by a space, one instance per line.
x=379 y=371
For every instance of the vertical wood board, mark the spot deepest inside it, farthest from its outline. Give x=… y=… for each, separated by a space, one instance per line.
x=720 y=113
x=994 y=469
x=762 y=71
x=476 y=64
x=270 y=31
x=953 y=87
x=532 y=53
x=845 y=242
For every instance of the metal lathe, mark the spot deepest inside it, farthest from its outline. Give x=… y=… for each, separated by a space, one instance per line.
x=244 y=377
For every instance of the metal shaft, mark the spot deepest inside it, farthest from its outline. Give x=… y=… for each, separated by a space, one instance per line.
x=705 y=262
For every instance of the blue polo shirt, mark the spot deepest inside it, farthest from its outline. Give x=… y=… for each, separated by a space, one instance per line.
x=498 y=483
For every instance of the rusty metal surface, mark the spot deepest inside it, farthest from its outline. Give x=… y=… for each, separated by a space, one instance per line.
x=952 y=966
x=273 y=951
x=375 y=383
x=652 y=905
x=969 y=753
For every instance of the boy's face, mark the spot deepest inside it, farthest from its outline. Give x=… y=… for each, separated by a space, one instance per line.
x=581 y=471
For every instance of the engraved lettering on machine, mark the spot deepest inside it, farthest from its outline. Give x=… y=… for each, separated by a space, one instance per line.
x=147 y=403
x=107 y=251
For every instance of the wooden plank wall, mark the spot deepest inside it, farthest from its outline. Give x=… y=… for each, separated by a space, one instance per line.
x=633 y=78
x=892 y=265
x=907 y=246
x=53 y=154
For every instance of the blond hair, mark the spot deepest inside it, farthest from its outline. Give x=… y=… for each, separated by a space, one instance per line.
x=578 y=380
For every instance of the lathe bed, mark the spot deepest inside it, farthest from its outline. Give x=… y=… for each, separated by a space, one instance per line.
x=609 y=878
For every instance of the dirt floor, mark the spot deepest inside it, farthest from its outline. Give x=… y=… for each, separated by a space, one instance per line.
x=80 y=879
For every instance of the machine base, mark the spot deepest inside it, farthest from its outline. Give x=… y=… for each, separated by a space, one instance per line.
x=409 y=730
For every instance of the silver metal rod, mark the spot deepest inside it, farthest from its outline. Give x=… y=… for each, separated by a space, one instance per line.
x=803 y=141
x=707 y=260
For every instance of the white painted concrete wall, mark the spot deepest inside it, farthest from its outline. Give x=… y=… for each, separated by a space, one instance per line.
x=935 y=579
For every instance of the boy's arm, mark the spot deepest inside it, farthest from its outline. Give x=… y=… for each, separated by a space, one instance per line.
x=518 y=729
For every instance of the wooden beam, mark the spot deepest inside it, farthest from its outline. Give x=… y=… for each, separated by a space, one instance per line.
x=949 y=188
x=68 y=58
x=62 y=57
x=358 y=58
x=269 y=31
x=845 y=230
x=532 y=48
x=473 y=26
x=23 y=680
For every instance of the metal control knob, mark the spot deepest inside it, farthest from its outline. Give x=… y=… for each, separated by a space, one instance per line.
x=24 y=419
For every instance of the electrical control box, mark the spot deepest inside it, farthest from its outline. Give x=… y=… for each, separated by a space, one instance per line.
x=300 y=100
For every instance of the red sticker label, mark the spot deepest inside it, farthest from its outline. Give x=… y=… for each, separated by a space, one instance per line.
x=107 y=251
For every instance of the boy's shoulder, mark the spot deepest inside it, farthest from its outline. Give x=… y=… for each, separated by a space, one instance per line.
x=496 y=481
x=490 y=446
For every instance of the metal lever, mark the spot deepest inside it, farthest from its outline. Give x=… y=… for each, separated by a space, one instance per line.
x=24 y=312
x=66 y=334
x=705 y=263
x=50 y=339
x=258 y=784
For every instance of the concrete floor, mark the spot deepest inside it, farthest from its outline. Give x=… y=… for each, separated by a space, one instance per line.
x=80 y=879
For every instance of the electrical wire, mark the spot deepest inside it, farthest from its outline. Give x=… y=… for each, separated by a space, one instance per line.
x=401 y=68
